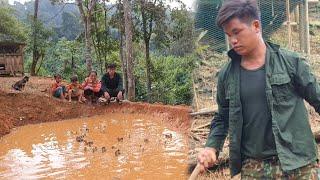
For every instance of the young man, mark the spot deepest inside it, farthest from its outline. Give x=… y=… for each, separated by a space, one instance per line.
x=112 y=84
x=260 y=96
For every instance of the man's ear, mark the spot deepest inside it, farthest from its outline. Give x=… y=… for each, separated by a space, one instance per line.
x=256 y=26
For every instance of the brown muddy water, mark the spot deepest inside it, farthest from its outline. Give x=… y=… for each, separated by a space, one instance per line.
x=121 y=146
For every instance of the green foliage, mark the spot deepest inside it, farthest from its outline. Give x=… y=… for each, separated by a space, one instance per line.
x=171 y=76
x=10 y=26
x=43 y=36
x=173 y=44
x=65 y=57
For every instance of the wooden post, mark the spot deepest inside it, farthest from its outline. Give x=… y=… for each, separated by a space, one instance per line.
x=272 y=8
x=289 y=24
x=307 y=35
x=301 y=27
x=296 y=14
x=304 y=27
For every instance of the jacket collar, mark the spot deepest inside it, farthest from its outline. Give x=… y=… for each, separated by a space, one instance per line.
x=270 y=46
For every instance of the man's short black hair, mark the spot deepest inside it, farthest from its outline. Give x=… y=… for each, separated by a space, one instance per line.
x=111 y=66
x=245 y=10
x=74 y=78
x=57 y=76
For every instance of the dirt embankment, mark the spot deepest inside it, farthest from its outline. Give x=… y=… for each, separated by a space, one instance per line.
x=34 y=106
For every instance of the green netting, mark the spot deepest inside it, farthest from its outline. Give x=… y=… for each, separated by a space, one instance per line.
x=273 y=16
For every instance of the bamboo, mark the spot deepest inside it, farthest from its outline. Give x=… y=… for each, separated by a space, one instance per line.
x=195 y=172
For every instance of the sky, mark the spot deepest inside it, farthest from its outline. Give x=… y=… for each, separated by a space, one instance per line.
x=189 y=3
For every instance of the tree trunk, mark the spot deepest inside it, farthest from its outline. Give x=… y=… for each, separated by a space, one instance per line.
x=148 y=67
x=87 y=35
x=146 y=37
x=73 y=66
x=35 y=51
x=130 y=64
x=41 y=62
x=86 y=18
x=124 y=66
x=97 y=45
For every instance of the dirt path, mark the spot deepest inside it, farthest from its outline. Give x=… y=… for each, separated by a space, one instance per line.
x=33 y=106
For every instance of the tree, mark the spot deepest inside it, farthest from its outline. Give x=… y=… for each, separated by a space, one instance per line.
x=86 y=9
x=35 y=52
x=10 y=26
x=181 y=32
x=104 y=37
x=41 y=44
x=151 y=13
x=128 y=35
x=117 y=20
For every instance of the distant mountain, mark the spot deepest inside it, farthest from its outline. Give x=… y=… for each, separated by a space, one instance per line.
x=50 y=14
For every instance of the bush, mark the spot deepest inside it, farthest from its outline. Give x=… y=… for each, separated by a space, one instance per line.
x=171 y=79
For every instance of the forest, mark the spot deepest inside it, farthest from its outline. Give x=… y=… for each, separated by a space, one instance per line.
x=153 y=44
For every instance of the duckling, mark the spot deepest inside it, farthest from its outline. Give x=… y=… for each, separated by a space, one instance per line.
x=90 y=143
x=79 y=138
x=120 y=139
x=117 y=153
x=103 y=149
x=94 y=149
x=168 y=136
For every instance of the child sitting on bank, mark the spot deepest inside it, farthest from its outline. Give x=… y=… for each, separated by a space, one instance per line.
x=58 y=90
x=92 y=87
x=75 y=90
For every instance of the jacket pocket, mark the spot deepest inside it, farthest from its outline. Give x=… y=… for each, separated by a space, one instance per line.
x=282 y=89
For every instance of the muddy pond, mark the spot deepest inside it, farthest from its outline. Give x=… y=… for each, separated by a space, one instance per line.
x=117 y=146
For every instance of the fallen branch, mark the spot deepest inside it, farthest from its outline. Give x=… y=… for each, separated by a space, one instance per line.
x=203 y=112
x=202 y=126
x=200 y=130
x=195 y=137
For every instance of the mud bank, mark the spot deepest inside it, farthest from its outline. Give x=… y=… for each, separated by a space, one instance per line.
x=18 y=109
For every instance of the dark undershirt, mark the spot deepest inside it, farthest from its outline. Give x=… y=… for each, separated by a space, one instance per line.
x=257 y=137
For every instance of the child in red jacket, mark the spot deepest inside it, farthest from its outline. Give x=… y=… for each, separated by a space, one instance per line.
x=75 y=90
x=58 y=90
x=92 y=87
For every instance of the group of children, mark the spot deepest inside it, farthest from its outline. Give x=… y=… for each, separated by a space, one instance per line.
x=90 y=88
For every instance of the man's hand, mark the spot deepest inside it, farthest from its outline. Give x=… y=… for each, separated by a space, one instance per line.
x=106 y=95
x=119 y=96
x=207 y=158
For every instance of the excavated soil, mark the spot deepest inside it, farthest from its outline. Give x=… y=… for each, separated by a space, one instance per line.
x=34 y=105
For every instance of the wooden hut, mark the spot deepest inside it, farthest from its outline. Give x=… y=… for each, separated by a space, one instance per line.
x=11 y=57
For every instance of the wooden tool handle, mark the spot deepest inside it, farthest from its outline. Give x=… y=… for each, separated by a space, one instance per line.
x=195 y=172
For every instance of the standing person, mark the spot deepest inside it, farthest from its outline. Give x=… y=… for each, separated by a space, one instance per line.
x=92 y=87
x=75 y=90
x=260 y=97
x=58 y=90
x=112 y=84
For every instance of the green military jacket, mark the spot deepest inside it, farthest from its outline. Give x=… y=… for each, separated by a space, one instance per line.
x=288 y=82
